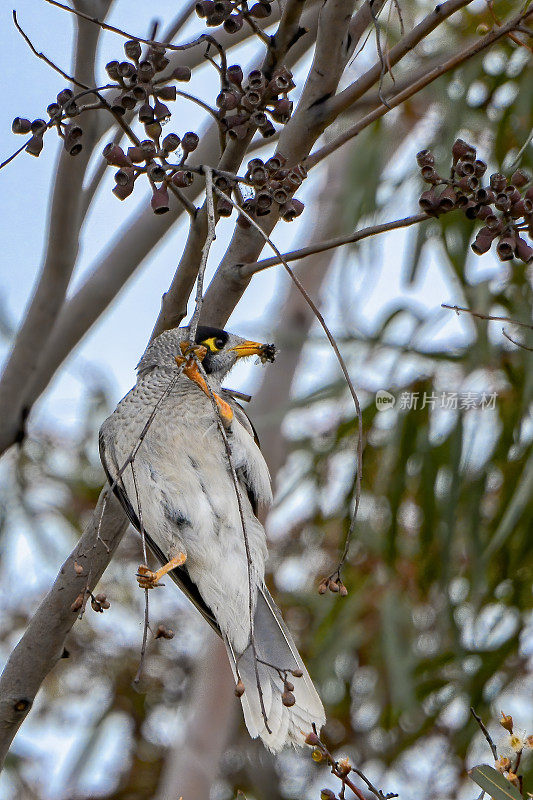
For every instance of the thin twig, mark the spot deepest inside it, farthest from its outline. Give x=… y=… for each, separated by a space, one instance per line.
x=210 y=238
x=151 y=42
x=312 y=305
x=396 y=100
x=372 y=788
x=329 y=244
x=488 y=317
x=514 y=341
x=146 y=602
x=485 y=732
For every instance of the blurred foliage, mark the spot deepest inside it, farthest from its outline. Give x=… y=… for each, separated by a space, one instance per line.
x=438 y=616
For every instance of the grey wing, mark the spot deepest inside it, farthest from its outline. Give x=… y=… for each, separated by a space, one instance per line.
x=180 y=575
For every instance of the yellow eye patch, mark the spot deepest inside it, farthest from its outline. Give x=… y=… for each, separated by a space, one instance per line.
x=212 y=343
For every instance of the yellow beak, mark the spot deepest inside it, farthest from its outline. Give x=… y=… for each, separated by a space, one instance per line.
x=249 y=349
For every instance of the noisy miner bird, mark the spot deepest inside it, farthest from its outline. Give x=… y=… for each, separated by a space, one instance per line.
x=180 y=492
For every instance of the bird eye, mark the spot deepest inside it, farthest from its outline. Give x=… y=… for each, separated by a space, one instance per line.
x=214 y=344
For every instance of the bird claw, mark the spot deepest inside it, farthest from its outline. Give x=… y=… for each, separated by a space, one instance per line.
x=148 y=579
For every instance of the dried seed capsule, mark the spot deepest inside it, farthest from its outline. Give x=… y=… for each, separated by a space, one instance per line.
x=189 y=141
x=251 y=100
x=148 y=147
x=224 y=207
x=214 y=19
x=461 y=148
x=505 y=248
x=289 y=211
x=282 y=110
x=38 y=126
x=486 y=196
x=519 y=178
x=145 y=71
x=235 y=74
x=502 y=202
x=72 y=109
x=204 y=8
x=312 y=739
x=297 y=673
x=343 y=591
x=471 y=210
x=112 y=70
x=494 y=223
x=288 y=699
x=289 y=686
x=261 y=10
x=21 y=125
x=425 y=158
x=156 y=172
x=123 y=191
x=234 y=23
x=64 y=96
x=159 y=61
x=282 y=81
x=327 y=794
x=128 y=101
x=447 y=199
x=133 y=49
x=153 y=129
x=171 y=142
x=53 y=109
x=115 y=156
x=139 y=92
x=239 y=689
x=428 y=201
x=465 y=168
x=334 y=587
x=126 y=69
x=323 y=587
x=182 y=178
x=429 y=175
x=259 y=119
x=267 y=130
x=159 y=201
x=35 y=145
x=275 y=162
x=124 y=176
x=146 y=113
x=498 y=182
x=483 y=241
x=263 y=202
x=479 y=168
x=167 y=93
x=182 y=73
x=227 y=100
x=161 y=111
x=518 y=209
x=523 y=251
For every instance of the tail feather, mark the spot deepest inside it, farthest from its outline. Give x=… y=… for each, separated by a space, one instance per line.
x=274 y=644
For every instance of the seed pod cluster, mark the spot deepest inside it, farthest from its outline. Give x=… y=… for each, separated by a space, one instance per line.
x=273 y=183
x=99 y=602
x=59 y=113
x=335 y=586
x=256 y=102
x=141 y=86
x=505 y=206
x=149 y=158
x=231 y=13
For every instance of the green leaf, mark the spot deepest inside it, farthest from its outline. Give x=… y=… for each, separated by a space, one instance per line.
x=494 y=783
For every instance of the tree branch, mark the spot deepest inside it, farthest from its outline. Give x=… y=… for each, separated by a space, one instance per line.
x=247 y=270
x=415 y=87
x=63 y=237
x=43 y=642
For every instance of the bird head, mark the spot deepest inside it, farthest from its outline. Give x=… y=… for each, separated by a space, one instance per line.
x=224 y=349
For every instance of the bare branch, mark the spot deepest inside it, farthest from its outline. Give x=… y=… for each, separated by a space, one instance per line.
x=489 y=317
x=485 y=732
x=247 y=270
x=63 y=236
x=43 y=642
x=416 y=86
x=335 y=105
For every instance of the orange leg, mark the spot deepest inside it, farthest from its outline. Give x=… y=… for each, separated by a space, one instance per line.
x=148 y=579
x=193 y=373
